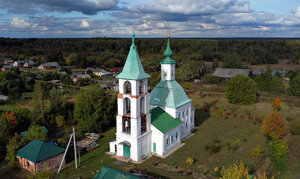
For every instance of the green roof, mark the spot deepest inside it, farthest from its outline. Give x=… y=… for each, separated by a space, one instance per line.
x=24 y=134
x=162 y=120
x=38 y=150
x=109 y=173
x=133 y=68
x=168 y=94
x=168 y=53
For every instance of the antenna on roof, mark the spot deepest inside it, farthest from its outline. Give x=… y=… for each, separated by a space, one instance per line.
x=63 y=159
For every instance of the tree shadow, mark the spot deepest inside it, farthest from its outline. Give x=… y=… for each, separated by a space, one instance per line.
x=202 y=114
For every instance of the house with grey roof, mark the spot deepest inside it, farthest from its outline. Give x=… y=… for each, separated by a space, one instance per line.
x=228 y=73
x=47 y=65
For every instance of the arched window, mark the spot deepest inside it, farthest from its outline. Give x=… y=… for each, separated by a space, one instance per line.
x=187 y=112
x=176 y=135
x=127 y=106
x=141 y=87
x=183 y=114
x=127 y=87
x=167 y=141
x=142 y=105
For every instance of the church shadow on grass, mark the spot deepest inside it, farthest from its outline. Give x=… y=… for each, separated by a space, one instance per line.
x=202 y=114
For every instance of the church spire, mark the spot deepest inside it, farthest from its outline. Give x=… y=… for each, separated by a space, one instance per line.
x=168 y=52
x=132 y=36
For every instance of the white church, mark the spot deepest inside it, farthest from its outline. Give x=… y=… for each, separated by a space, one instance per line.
x=155 y=123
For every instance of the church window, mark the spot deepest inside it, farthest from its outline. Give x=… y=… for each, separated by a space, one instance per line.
x=186 y=124
x=176 y=136
x=187 y=112
x=141 y=87
x=183 y=114
x=126 y=124
x=127 y=106
x=143 y=124
x=167 y=141
x=172 y=140
x=127 y=87
x=142 y=105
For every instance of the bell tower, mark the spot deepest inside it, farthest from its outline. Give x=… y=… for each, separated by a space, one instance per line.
x=133 y=135
x=168 y=64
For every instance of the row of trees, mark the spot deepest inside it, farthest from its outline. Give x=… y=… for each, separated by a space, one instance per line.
x=113 y=51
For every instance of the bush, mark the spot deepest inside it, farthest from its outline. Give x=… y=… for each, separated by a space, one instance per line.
x=295 y=126
x=190 y=161
x=241 y=90
x=274 y=125
x=213 y=148
x=257 y=152
x=276 y=104
x=278 y=153
x=209 y=79
x=295 y=85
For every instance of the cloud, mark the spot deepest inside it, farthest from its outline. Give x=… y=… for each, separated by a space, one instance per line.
x=297 y=12
x=89 y=7
x=19 y=23
x=84 y=23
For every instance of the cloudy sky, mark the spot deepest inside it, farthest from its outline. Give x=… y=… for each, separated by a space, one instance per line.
x=149 y=18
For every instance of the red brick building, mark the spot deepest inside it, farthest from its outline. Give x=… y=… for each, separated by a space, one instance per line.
x=38 y=156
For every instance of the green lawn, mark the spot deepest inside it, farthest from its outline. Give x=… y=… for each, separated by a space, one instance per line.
x=243 y=134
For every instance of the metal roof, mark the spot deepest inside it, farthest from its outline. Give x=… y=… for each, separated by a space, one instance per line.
x=230 y=72
x=38 y=150
x=168 y=94
x=162 y=120
x=110 y=173
x=133 y=69
x=168 y=53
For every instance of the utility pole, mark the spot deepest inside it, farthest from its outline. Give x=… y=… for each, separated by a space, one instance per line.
x=63 y=159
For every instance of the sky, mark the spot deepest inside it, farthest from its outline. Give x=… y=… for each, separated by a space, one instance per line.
x=149 y=18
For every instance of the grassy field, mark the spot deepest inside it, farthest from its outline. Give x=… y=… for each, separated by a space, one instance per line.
x=236 y=133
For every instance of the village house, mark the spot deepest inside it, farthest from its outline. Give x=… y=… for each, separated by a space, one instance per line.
x=6 y=67
x=150 y=123
x=18 y=63
x=29 y=64
x=227 y=73
x=47 y=65
x=110 y=173
x=8 y=62
x=39 y=156
x=81 y=76
x=99 y=72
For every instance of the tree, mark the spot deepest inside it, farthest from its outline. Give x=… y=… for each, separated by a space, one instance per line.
x=263 y=80
x=276 y=85
x=60 y=121
x=190 y=71
x=276 y=104
x=241 y=90
x=274 y=125
x=11 y=149
x=94 y=110
x=40 y=96
x=295 y=85
x=278 y=153
x=4 y=131
x=215 y=63
x=210 y=79
x=36 y=132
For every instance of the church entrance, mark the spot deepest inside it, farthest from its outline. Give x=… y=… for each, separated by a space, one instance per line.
x=126 y=151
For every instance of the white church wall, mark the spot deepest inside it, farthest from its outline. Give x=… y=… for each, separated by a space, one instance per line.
x=158 y=138
x=168 y=136
x=170 y=70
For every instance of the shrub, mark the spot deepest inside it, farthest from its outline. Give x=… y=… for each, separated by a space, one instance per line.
x=257 y=152
x=213 y=148
x=241 y=90
x=247 y=112
x=295 y=126
x=295 y=85
x=209 y=79
x=212 y=110
x=278 y=153
x=190 y=161
x=219 y=113
x=236 y=172
x=274 y=125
